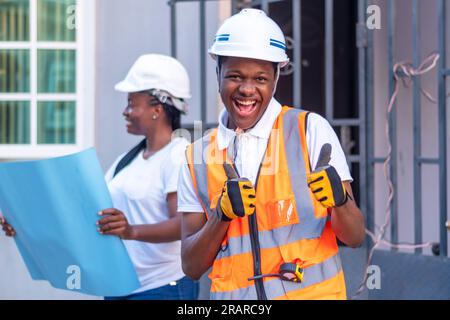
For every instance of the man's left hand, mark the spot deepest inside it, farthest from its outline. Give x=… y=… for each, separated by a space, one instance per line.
x=325 y=182
x=327 y=187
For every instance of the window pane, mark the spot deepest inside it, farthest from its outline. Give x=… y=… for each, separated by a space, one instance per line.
x=14 y=71
x=14 y=122
x=56 y=71
x=56 y=122
x=56 y=20
x=14 y=20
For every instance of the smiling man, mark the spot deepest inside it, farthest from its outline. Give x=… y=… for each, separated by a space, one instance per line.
x=246 y=88
x=265 y=195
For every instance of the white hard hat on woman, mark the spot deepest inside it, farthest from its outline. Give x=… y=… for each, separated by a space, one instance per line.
x=164 y=75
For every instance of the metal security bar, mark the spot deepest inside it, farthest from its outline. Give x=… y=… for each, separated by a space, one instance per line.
x=443 y=73
x=417 y=128
x=392 y=121
x=364 y=43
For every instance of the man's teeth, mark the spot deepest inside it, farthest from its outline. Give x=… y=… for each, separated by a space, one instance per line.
x=246 y=103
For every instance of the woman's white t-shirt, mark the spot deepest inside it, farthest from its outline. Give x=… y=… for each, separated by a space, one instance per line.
x=140 y=191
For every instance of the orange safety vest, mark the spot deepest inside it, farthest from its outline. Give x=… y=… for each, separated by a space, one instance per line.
x=289 y=224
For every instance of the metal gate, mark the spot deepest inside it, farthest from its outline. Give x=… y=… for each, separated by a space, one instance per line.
x=357 y=125
x=400 y=269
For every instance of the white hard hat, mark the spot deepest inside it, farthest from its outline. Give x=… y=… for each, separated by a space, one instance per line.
x=250 y=34
x=160 y=73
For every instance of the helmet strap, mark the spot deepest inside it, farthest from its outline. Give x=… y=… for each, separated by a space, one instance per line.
x=218 y=76
x=277 y=77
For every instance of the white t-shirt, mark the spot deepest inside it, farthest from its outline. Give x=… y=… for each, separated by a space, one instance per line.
x=251 y=146
x=140 y=191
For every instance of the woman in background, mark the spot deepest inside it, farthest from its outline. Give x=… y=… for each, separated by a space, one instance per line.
x=143 y=182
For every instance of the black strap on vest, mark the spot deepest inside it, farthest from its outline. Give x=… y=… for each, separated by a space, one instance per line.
x=126 y=160
x=306 y=133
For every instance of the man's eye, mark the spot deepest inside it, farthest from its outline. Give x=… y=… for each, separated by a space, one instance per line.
x=233 y=76
x=261 y=79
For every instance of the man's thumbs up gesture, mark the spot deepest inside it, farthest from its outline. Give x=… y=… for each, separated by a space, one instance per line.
x=325 y=182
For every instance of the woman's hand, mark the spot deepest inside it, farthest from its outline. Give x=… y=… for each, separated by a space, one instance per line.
x=9 y=231
x=115 y=223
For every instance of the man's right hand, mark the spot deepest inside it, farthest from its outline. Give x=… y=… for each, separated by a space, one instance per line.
x=9 y=231
x=238 y=199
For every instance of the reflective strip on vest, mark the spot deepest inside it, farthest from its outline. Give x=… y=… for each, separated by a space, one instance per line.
x=311 y=226
x=282 y=235
x=276 y=288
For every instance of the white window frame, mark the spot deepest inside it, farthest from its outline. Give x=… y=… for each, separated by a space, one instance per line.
x=85 y=86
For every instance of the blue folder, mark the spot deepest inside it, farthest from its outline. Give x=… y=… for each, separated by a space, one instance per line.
x=53 y=205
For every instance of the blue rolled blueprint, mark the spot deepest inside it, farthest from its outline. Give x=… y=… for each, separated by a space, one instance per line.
x=53 y=205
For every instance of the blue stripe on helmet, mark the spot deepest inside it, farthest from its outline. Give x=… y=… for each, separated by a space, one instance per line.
x=277 y=45
x=223 y=39
x=280 y=42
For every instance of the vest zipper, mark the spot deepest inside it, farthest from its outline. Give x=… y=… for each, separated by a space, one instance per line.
x=256 y=250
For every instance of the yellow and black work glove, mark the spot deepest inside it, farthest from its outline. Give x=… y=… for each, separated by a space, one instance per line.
x=238 y=198
x=325 y=182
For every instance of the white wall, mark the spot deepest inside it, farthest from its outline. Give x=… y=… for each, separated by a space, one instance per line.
x=125 y=30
